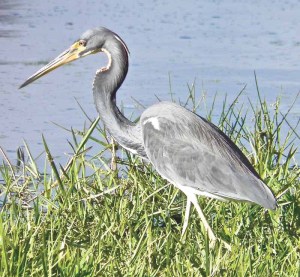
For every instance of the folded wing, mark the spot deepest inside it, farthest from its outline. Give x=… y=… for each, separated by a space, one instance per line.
x=189 y=151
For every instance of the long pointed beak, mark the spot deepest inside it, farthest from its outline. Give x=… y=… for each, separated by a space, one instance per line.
x=74 y=52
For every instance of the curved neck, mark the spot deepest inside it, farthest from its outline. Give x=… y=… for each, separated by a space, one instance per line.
x=107 y=82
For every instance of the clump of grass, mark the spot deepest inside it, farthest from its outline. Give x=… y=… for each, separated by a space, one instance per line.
x=89 y=218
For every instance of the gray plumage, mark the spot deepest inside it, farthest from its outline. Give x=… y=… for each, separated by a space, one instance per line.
x=187 y=150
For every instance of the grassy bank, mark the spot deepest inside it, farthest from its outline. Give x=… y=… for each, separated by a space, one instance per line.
x=85 y=219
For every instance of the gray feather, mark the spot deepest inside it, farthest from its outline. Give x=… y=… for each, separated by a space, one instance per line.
x=189 y=151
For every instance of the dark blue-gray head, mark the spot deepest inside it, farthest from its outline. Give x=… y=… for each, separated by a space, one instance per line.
x=91 y=42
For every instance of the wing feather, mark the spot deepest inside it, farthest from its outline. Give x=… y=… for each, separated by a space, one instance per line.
x=189 y=151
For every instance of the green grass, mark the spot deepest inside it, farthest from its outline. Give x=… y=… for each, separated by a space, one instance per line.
x=85 y=219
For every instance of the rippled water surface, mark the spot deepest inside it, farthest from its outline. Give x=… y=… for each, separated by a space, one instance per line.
x=217 y=43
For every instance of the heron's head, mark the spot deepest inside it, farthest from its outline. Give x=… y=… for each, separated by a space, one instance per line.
x=91 y=42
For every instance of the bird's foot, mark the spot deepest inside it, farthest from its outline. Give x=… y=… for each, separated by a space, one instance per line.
x=212 y=243
x=213 y=238
x=227 y=246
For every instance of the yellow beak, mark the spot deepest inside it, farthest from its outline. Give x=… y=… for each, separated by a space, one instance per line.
x=74 y=52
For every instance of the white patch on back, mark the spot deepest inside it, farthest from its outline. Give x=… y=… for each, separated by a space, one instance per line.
x=154 y=121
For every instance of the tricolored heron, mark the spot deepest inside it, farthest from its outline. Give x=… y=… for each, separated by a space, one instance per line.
x=185 y=149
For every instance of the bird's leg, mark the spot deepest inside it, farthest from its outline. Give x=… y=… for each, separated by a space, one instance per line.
x=210 y=232
x=113 y=164
x=186 y=217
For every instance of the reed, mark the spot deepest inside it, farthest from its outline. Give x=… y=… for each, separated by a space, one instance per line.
x=89 y=218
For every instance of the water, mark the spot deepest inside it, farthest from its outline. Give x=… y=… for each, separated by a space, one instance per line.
x=217 y=43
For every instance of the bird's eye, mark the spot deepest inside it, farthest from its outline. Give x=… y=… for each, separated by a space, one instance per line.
x=82 y=42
